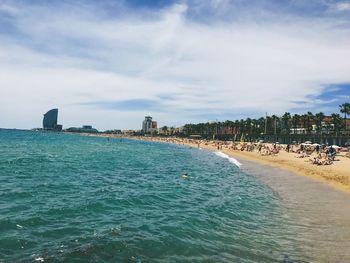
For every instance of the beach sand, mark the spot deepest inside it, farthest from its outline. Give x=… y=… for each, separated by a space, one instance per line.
x=336 y=175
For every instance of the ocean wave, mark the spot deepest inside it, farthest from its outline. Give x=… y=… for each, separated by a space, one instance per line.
x=231 y=159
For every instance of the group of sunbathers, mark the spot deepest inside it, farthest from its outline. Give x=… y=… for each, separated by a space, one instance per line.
x=319 y=160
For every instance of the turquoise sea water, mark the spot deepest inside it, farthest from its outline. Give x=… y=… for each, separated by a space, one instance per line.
x=68 y=198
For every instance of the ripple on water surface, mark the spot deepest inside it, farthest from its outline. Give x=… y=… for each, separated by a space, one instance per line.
x=69 y=198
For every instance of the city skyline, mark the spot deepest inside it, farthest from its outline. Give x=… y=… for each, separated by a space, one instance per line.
x=113 y=62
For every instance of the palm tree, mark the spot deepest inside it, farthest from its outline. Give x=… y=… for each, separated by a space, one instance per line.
x=206 y=129
x=241 y=126
x=310 y=118
x=248 y=123
x=275 y=121
x=319 y=118
x=188 y=129
x=255 y=126
x=164 y=129
x=345 y=108
x=337 y=123
x=237 y=127
x=227 y=127
x=303 y=119
x=212 y=126
x=261 y=124
x=285 y=120
x=295 y=121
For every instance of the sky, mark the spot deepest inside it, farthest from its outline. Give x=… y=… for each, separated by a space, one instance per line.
x=110 y=63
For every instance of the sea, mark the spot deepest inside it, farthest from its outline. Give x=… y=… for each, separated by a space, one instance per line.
x=72 y=198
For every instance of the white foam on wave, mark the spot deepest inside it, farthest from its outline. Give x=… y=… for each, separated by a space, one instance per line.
x=231 y=159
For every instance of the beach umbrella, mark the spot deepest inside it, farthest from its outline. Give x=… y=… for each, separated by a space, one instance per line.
x=307 y=142
x=335 y=146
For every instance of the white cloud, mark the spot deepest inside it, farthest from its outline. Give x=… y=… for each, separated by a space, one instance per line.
x=342 y=6
x=64 y=59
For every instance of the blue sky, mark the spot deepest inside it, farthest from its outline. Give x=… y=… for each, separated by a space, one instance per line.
x=110 y=63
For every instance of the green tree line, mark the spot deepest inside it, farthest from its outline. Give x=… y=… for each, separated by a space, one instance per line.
x=307 y=123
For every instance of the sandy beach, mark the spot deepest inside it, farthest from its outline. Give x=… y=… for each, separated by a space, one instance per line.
x=336 y=175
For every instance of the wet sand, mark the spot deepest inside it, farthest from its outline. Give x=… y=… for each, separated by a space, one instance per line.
x=336 y=175
x=321 y=211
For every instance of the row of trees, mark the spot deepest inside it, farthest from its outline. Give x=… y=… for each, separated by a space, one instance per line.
x=286 y=124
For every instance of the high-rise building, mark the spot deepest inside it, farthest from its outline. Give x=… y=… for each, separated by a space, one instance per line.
x=147 y=124
x=50 y=120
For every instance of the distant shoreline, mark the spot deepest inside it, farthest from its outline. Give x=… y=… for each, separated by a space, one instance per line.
x=336 y=175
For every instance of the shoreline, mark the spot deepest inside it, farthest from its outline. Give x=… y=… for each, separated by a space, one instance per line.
x=315 y=172
x=336 y=175
x=320 y=208
x=323 y=211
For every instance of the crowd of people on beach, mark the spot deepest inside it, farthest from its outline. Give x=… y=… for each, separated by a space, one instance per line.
x=317 y=154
